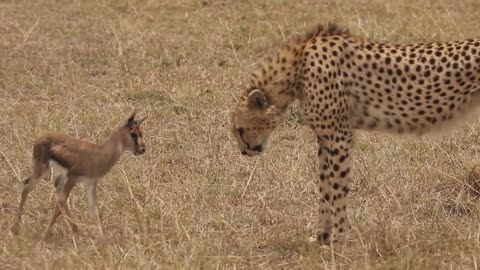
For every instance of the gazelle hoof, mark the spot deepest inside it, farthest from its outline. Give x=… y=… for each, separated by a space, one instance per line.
x=15 y=229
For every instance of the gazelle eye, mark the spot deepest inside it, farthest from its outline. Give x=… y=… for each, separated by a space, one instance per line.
x=134 y=136
x=241 y=131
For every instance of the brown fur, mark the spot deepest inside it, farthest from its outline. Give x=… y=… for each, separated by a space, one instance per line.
x=81 y=158
x=80 y=161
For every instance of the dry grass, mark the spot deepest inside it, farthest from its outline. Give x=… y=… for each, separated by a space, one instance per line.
x=81 y=66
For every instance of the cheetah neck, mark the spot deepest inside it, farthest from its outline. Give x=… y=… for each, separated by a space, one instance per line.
x=277 y=77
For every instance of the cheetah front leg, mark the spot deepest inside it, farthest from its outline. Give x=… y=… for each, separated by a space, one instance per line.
x=325 y=212
x=334 y=185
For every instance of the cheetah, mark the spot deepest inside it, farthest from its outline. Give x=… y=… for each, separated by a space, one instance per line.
x=345 y=83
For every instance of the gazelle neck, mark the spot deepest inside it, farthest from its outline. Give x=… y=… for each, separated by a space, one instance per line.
x=109 y=152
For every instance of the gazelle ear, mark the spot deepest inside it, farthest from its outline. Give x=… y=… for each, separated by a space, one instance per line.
x=141 y=120
x=131 y=119
x=256 y=99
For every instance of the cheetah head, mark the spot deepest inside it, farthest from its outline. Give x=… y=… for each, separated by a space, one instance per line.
x=252 y=122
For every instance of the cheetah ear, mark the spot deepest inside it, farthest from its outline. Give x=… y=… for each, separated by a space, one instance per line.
x=256 y=99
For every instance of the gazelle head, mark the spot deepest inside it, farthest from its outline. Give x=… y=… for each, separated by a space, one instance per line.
x=134 y=138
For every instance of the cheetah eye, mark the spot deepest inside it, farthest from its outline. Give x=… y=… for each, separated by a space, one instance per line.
x=241 y=131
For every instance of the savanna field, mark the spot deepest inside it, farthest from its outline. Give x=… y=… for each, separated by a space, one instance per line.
x=193 y=201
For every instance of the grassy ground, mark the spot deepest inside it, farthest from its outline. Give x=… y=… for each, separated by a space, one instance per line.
x=82 y=66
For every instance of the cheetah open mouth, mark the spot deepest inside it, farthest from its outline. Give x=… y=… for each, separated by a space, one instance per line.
x=250 y=153
x=139 y=152
x=253 y=151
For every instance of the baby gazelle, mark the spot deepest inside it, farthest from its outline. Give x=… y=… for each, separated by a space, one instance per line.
x=79 y=162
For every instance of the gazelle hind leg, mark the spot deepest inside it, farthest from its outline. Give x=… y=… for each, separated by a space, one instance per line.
x=73 y=225
x=60 y=183
x=29 y=183
x=68 y=186
x=64 y=187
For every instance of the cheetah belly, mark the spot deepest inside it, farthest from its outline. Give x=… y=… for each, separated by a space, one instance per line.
x=417 y=110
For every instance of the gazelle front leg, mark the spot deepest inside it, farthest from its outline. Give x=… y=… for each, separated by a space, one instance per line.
x=92 y=203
